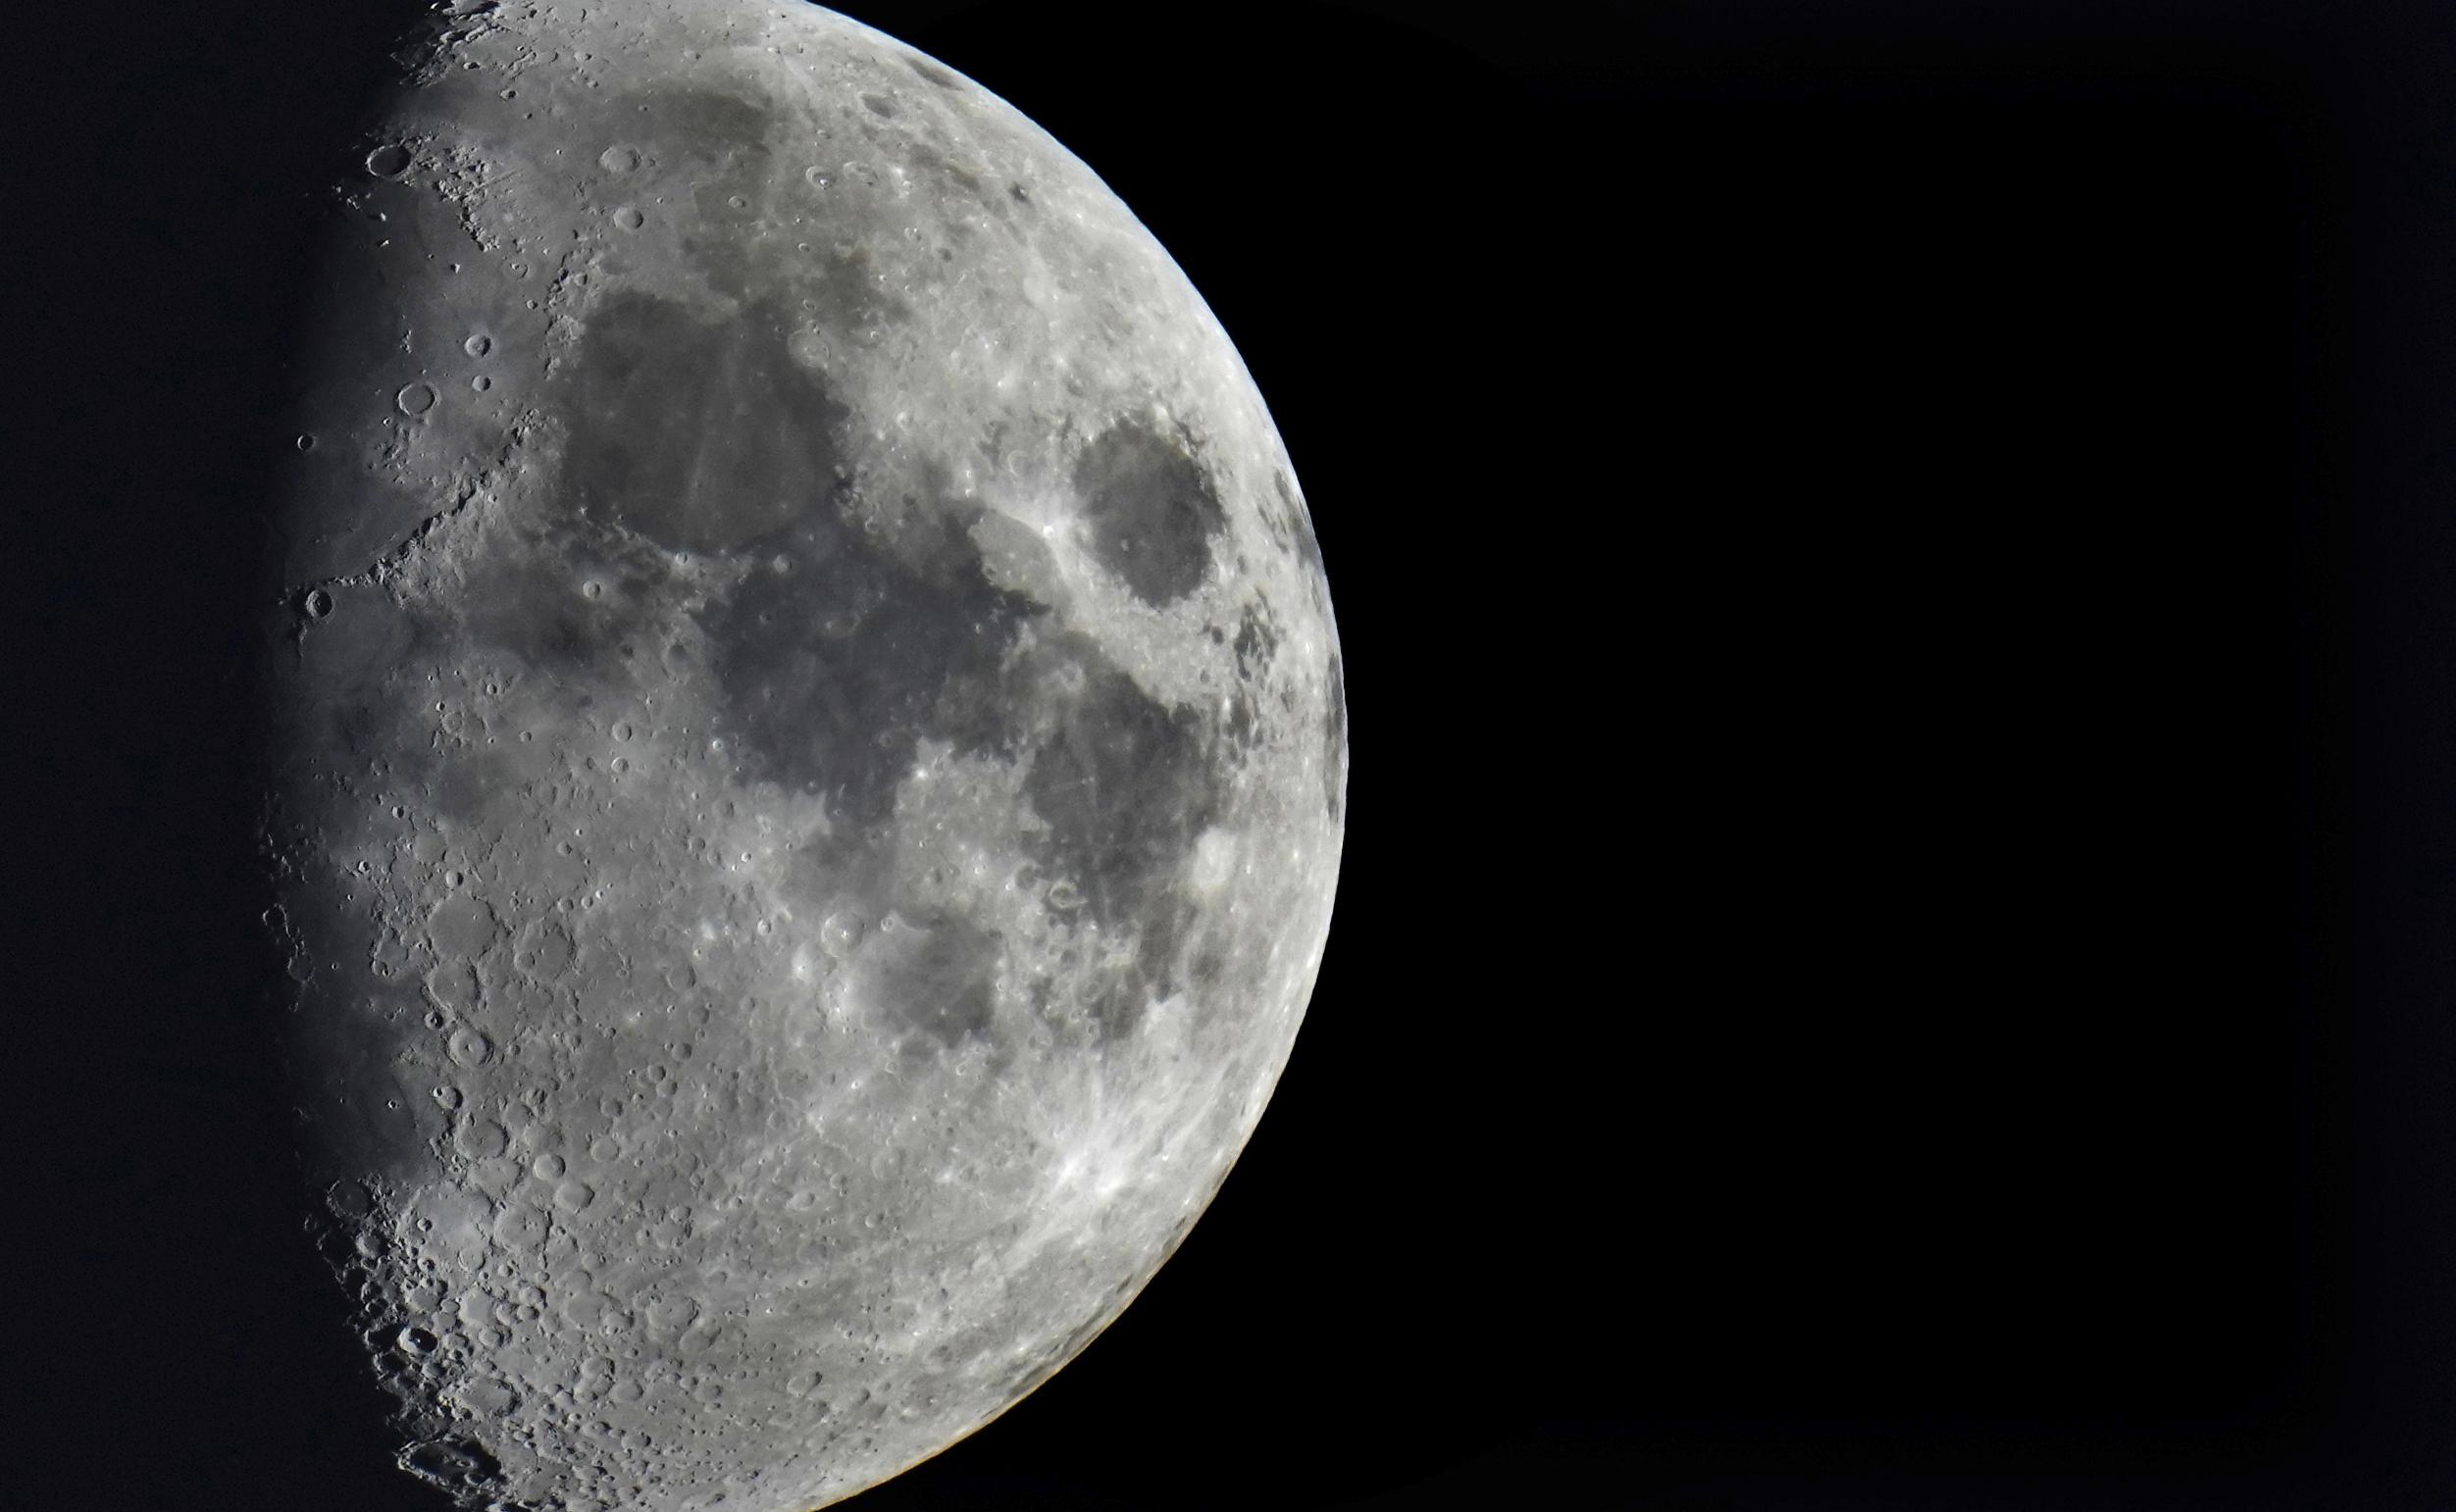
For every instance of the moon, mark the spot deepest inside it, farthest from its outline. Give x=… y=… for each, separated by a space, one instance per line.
x=808 y=754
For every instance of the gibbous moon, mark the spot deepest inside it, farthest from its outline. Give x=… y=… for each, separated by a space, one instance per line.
x=809 y=758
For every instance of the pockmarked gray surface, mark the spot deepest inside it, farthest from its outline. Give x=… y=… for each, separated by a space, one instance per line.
x=809 y=754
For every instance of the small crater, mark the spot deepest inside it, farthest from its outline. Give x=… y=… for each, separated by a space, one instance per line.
x=630 y=219
x=389 y=161
x=619 y=159
x=880 y=106
x=316 y=604
x=478 y=344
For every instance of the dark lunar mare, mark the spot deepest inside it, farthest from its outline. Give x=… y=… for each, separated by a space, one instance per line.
x=867 y=626
x=838 y=656
x=1126 y=785
x=1335 y=740
x=700 y=433
x=1152 y=509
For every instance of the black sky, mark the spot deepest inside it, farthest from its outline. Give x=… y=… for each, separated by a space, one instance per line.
x=1897 y=565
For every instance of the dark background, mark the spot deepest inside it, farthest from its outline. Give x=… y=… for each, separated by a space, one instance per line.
x=1897 y=565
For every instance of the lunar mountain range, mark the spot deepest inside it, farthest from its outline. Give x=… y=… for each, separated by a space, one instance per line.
x=808 y=754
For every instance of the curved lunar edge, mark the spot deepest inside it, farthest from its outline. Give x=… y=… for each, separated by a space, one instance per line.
x=807 y=754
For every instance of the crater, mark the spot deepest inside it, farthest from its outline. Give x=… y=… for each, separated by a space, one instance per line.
x=461 y=927
x=454 y=1463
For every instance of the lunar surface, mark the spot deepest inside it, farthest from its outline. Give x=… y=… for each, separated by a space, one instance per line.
x=807 y=761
